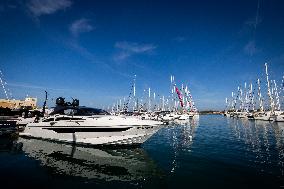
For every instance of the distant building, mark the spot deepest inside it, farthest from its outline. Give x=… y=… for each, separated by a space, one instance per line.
x=16 y=104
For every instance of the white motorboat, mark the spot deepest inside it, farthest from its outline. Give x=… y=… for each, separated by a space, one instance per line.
x=242 y=115
x=170 y=117
x=270 y=116
x=185 y=117
x=71 y=123
x=250 y=115
x=196 y=116
x=193 y=115
x=245 y=115
x=227 y=114
x=264 y=116
x=279 y=116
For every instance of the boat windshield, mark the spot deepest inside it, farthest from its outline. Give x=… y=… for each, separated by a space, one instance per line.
x=79 y=111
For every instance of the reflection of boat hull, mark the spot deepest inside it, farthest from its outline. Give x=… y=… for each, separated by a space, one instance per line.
x=90 y=163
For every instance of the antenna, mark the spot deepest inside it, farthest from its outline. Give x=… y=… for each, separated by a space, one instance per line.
x=268 y=88
x=130 y=94
x=44 y=104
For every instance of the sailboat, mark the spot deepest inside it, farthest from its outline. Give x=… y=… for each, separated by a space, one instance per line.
x=278 y=114
x=266 y=115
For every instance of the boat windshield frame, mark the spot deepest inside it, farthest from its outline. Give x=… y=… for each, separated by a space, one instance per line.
x=78 y=111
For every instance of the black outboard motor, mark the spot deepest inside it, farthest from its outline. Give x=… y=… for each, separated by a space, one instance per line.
x=75 y=102
x=60 y=101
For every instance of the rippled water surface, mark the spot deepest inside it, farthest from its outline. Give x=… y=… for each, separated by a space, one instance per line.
x=223 y=153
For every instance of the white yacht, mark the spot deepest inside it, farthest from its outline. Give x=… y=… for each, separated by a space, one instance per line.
x=264 y=116
x=270 y=116
x=71 y=123
x=279 y=116
x=170 y=116
x=195 y=115
x=189 y=115
x=242 y=115
x=185 y=116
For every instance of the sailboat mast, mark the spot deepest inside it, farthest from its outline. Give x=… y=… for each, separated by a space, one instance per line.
x=241 y=99
x=251 y=97
x=245 y=98
x=149 y=98
x=233 y=102
x=276 y=96
x=268 y=88
x=259 y=97
x=163 y=103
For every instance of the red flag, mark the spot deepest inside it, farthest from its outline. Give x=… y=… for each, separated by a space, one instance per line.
x=179 y=96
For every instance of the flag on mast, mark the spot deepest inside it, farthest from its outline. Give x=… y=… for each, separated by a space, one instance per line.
x=179 y=96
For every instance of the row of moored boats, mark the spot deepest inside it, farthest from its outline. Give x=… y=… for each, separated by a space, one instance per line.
x=246 y=105
x=69 y=122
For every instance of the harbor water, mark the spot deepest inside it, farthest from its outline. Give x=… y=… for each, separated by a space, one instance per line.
x=222 y=153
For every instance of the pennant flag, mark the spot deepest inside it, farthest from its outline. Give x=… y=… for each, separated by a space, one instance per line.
x=179 y=96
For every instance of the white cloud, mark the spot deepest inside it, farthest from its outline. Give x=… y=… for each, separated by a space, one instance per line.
x=122 y=56
x=128 y=49
x=80 y=26
x=44 y=7
x=134 y=47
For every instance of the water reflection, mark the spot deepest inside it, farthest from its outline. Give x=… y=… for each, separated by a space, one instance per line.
x=220 y=152
x=90 y=163
x=264 y=142
x=7 y=144
x=182 y=133
x=279 y=133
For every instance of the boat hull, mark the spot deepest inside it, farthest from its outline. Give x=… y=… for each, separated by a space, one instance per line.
x=7 y=126
x=97 y=136
x=263 y=116
x=280 y=118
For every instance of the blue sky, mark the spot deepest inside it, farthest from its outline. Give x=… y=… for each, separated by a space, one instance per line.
x=91 y=49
